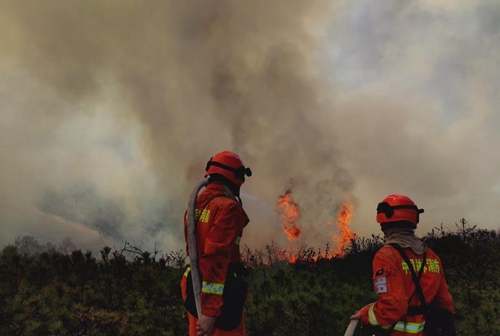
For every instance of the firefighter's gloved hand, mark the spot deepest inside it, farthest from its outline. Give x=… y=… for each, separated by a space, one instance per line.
x=205 y=325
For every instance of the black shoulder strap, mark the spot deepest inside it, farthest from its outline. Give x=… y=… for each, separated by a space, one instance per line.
x=416 y=279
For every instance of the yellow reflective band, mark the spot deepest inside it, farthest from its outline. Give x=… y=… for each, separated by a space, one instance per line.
x=212 y=288
x=410 y=327
x=237 y=242
x=187 y=271
x=372 y=317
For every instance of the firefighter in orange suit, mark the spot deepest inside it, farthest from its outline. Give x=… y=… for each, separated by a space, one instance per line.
x=220 y=222
x=392 y=279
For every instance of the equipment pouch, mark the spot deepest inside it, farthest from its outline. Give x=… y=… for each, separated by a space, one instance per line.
x=439 y=322
x=234 y=297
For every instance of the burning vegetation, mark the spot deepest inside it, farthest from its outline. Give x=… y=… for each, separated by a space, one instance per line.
x=290 y=212
x=345 y=234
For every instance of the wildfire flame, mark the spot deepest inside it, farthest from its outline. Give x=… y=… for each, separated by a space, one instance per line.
x=289 y=215
x=345 y=233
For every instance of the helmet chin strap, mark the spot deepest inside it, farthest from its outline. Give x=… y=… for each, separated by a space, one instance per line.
x=388 y=209
x=239 y=172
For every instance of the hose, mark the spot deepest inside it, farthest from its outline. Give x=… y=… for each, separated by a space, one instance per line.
x=351 y=328
x=193 y=253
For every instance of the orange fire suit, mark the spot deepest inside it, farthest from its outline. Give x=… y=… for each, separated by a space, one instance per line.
x=219 y=227
x=393 y=283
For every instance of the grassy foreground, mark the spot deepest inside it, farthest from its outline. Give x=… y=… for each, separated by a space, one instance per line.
x=131 y=292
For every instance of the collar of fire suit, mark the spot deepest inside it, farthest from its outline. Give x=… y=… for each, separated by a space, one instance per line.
x=216 y=189
x=406 y=239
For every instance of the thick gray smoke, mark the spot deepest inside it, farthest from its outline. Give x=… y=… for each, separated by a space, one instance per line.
x=110 y=111
x=419 y=93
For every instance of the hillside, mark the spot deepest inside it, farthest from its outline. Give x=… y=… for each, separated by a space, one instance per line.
x=132 y=292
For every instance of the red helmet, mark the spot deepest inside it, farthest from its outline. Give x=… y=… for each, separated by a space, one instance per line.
x=229 y=165
x=396 y=208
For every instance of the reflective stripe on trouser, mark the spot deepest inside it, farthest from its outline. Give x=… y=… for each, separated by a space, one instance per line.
x=186 y=273
x=212 y=288
x=407 y=327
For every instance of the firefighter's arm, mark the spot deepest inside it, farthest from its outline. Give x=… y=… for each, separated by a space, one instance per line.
x=392 y=303
x=216 y=256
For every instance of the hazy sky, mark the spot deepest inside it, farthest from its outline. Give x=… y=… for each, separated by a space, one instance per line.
x=110 y=110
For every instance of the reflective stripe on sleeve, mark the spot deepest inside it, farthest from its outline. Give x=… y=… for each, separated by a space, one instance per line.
x=186 y=273
x=212 y=288
x=237 y=242
x=372 y=317
x=410 y=327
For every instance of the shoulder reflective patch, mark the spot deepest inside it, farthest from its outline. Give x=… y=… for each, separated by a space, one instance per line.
x=202 y=215
x=380 y=285
x=205 y=216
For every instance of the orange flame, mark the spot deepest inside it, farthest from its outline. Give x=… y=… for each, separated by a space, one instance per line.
x=289 y=215
x=344 y=217
x=287 y=254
